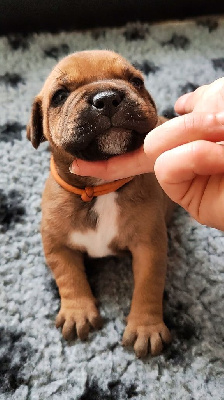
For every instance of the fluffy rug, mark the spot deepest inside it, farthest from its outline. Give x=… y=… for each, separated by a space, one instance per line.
x=35 y=362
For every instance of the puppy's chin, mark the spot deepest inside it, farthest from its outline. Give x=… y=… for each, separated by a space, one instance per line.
x=113 y=142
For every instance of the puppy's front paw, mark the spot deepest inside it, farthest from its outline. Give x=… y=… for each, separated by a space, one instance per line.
x=76 y=317
x=146 y=337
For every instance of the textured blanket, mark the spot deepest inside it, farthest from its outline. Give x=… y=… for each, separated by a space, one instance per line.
x=35 y=362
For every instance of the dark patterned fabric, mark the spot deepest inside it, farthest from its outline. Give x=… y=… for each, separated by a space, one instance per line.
x=35 y=362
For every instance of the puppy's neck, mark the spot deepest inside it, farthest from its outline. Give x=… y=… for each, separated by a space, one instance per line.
x=63 y=163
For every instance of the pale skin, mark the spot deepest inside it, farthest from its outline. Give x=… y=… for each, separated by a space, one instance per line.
x=184 y=153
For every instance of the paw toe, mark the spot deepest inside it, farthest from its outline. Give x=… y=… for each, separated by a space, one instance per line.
x=82 y=328
x=156 y=344
x=141 y=346
x=68 y=330
x=165 y=335
x=96 y=320
x=60 y=320
x=129 y=338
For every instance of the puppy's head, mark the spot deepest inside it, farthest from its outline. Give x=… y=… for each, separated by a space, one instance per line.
x=92 y=106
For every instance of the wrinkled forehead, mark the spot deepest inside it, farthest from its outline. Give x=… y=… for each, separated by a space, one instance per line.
x=87 y=66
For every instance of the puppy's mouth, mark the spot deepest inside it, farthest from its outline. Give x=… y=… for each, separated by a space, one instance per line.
x=115 y=141
x=101 y=131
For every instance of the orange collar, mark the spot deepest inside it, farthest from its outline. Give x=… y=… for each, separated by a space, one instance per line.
x=89 y=192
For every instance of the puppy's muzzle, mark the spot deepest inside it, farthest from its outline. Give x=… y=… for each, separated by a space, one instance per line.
x=110 y=122
x=107 y=102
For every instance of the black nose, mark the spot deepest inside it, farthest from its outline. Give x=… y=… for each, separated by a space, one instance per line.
x=107 y=102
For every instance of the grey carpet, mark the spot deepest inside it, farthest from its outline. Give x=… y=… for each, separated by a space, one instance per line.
x=35 y=362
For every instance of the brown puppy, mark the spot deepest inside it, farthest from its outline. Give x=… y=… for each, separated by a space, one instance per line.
x=93 y=106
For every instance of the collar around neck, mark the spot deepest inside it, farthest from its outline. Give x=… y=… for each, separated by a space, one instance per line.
x=88 y=192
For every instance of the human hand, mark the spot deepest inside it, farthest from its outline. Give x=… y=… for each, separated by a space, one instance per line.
x=190 y=166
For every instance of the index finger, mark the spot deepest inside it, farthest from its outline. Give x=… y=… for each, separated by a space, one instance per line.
x=182 y=130
x=186 y=103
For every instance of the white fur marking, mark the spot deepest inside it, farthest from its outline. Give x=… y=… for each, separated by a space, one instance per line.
x=96 y=242
x=115 y=141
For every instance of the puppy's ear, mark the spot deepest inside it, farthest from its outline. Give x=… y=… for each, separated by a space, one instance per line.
x=34 y=130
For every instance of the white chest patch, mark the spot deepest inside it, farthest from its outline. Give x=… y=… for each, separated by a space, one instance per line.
x=96 y=242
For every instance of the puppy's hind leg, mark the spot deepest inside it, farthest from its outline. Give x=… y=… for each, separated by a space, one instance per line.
x=78 y=306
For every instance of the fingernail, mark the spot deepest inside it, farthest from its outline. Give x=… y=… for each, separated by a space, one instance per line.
x=74 y=169
x=71 y=169
x=220 y=117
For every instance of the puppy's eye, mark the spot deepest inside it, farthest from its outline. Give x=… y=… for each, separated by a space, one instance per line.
x=137 y=82
x=59 y=97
